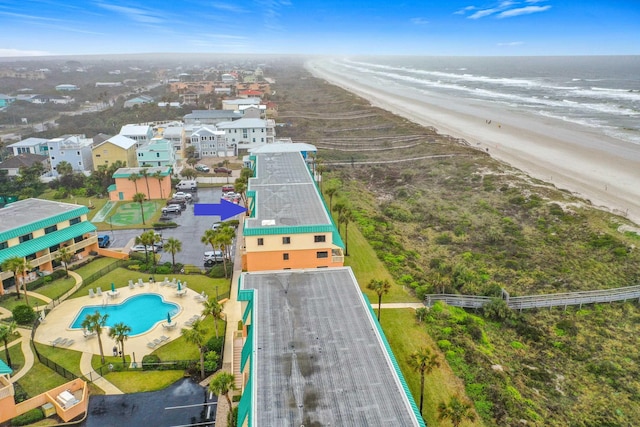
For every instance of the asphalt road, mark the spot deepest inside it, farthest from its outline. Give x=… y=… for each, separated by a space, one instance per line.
x=183 y=403
x=189 y=231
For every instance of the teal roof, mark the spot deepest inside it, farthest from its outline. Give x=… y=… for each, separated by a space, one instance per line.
x=293 y=229
x=127 y=172
x=4 y=369
x=111 y=188
x=32 y=246
x=42 y=223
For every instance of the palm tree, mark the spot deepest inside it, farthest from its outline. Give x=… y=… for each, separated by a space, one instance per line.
x=331 y=191
x=65 y=256
x=339 y=208
x=64 y=168
x=222 y=384
x=218 y=239
x=139 y=198
x=134 y=177
x=223 y=239
x=20 y=266
x=158 y=175
x=197 y=336
x=94 y=323
x=456 y=411
x=191 y=161
x=346 y=217
x=148 y=238
x=320 y=169
x=189 y=173
x=145 y=173
x=6 y=332
x=120 y=332
x=173 y=246
x=423 y=361
x=380 y=287
x=214 y=308
x=240 y=187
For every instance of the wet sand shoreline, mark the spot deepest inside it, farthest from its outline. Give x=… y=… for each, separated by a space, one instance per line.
x=604 y=171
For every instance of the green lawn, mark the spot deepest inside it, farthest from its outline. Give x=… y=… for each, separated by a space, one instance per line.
x=17 y=357
x=120 y=278
x=40 y=379
x=137 y=382
x=56 y=288
x=68 y=359
x=405 y=336
x=95 y=266
x=10 y=302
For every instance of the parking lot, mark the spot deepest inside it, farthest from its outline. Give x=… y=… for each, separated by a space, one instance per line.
x=189 y=231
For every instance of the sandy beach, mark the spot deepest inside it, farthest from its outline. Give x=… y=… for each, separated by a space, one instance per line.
x=602 y=170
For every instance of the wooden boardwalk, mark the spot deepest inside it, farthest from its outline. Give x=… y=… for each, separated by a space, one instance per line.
x=541 y=301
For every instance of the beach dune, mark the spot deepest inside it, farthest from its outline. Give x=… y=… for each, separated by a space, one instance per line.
x=602 y=170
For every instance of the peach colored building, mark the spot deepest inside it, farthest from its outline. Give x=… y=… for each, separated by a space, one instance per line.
x=156 y=184
x=289 y=226
x=36 y=229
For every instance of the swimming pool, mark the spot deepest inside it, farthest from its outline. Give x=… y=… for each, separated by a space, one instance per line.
x=139 y=312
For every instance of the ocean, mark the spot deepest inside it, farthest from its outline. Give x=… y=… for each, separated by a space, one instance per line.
x=599 y=93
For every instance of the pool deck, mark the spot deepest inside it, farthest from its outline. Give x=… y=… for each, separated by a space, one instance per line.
x=57 y=323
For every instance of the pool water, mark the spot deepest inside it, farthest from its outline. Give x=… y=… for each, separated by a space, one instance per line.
x=140 y=312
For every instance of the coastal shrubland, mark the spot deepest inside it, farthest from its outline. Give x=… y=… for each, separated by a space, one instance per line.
x=444 y=217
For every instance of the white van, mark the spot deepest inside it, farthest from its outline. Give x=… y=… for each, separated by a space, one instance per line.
x=190 y=185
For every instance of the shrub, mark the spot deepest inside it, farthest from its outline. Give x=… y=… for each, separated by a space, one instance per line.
x=444 y=345
x=149 y=362
x=217 y=271
x=23 y=314
x=497 y=309
x=211 y=362
x=27 y=418
x=215 y=344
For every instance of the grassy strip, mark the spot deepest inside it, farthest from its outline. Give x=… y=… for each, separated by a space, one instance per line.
x=137 y=382
x=56 y=288
x=40 y=379
x=17 y=357
x=68 y=359
x=406 y=335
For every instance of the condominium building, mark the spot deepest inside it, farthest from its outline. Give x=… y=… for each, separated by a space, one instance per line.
x=35 y=229
x=289 y=226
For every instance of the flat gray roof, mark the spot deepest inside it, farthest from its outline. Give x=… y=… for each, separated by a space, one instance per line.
x=319 y=358
x=285 y=192
x=28 y=211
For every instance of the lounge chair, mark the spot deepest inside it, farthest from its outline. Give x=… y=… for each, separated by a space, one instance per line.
x=166 y=281
x=56 y=342
x=91 y=294
x=63 y=342
x=99 y=291
x=69 y=342
x=140 y=282
x=88 y=334
x=131 y=285
x=157 y=341
x=152 y=345
x=164 y=338
x=202 y=297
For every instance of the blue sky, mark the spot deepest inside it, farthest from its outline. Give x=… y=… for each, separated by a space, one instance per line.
x=414 y=27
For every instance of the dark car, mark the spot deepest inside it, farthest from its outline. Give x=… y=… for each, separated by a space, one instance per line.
x=222 y=170
x=103 y=241
x=181 y=202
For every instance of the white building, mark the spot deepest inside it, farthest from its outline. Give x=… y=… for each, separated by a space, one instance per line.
x=210 y=142
x=239 y=104
x=248 y=133
x=30 y=145
x=141 y=134
x=73 y=149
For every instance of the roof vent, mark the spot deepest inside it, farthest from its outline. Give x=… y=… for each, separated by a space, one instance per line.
x=266 y=222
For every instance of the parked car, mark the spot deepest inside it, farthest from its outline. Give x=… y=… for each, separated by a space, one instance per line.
x=190 y=185
x=183 y=195
x=141 y=248
x=213 y=256
x=216 y=225
x=176 y=209
x=222 y=170
x=180 y=202
x=202 y=168
x=227 y=188
x=103 y=241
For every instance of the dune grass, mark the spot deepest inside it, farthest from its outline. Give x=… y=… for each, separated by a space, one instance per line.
x=405 y=336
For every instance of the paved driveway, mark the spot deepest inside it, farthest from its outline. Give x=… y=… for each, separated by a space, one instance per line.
x=189 y=231
x=184 y=403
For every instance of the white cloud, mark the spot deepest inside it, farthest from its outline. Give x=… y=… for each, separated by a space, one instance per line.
x=134 y=14
x=18 y=52
x=225 y=7
x=419 y=21
x=464 y=10
x=482 y=13
x=523 y=11
x=511 y=44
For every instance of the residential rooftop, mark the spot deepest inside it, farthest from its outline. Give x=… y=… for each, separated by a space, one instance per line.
x=30 y=211
x=319 y=355
x=285 y=193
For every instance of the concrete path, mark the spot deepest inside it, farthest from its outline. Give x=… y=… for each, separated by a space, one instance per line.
x=87 y=371
x=24 y=341
x=413 y=305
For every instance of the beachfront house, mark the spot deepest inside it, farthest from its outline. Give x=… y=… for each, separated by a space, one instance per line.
x=155 y=185
x=158 y=152
x=141 y=134
x=210 y=142
x=30 y=145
